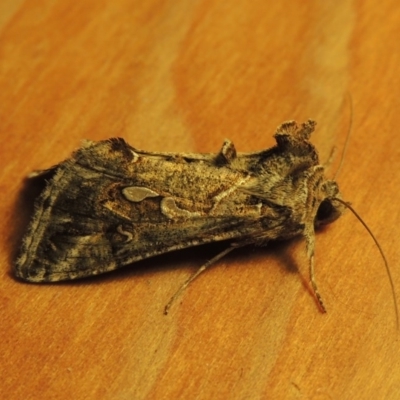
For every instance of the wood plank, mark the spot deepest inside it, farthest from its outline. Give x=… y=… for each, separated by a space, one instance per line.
x=182 y=76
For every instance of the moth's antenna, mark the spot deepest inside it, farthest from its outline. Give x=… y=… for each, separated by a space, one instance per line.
x=347 y=205
x=347 y=136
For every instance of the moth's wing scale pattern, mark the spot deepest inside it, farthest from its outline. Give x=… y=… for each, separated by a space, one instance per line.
x=83 y=225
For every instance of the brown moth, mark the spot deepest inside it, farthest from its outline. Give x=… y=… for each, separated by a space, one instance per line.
x=110 y=204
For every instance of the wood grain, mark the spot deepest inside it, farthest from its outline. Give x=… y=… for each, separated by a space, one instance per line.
x=182 y=76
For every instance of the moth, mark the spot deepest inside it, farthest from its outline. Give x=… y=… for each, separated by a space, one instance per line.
x=110 y=205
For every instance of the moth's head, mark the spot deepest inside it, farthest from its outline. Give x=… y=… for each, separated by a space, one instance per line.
x=329 y=209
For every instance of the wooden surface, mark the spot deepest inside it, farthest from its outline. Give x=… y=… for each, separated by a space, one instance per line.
x=182 y=76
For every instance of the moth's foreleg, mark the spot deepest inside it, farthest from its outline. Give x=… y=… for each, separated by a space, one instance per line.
x=195 y=275
x=310 y=239
x=314 y=285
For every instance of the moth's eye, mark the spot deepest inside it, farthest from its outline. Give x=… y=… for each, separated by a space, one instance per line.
x=325 y=211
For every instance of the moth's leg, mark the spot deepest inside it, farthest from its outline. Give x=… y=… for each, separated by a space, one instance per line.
x=310 y=239
x=195 y=275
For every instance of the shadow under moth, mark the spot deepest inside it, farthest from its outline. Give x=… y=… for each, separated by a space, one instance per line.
x=110 y=205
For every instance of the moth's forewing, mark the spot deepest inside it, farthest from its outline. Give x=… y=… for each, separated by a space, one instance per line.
x=88 y=221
